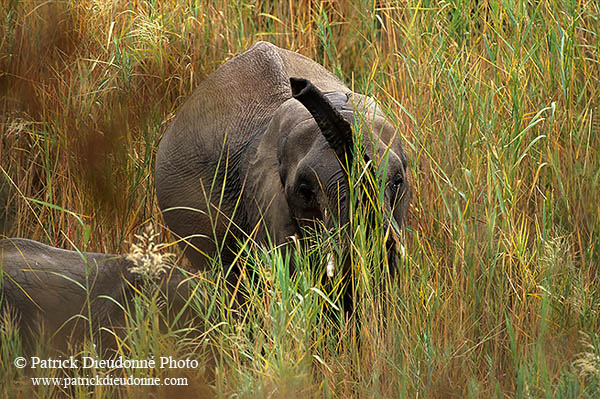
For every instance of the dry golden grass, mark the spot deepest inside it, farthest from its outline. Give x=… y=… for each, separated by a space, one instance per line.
x=498 y=106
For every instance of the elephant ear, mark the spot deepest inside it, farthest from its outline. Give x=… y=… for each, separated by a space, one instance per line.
x=267 y=211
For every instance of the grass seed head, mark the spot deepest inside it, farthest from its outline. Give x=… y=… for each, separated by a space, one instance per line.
x=145 y=254
x=587 y=363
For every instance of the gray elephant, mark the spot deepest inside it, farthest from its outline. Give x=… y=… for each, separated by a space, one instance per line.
x=45 y=286
x=260 y=149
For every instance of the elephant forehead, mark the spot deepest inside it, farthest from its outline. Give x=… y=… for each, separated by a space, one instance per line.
x=299 y=134
x=305 y=148
x=379 y=137
x=303 y=136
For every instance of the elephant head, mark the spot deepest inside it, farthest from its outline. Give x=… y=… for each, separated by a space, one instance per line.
x=300 y=172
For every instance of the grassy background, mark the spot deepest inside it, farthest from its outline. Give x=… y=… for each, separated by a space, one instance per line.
x=498 y=104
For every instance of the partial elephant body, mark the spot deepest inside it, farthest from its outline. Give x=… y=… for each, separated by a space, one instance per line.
x=211 y=135
x=231 y=163
x=47 y=286
x=259 y=150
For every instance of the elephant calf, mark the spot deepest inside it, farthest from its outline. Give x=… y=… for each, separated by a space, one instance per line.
x=262 y=149
x=46 y=285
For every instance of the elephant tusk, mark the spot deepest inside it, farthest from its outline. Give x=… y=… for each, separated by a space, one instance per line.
x=296 y=241
x=402 y=251
x=330 y=265
x=398 y=246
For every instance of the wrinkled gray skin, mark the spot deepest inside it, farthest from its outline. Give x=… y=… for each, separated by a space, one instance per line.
x=242 y=126
x=40 y=283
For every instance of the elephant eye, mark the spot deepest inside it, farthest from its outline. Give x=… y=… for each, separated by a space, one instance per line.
x=305 y=190
x=396 y=182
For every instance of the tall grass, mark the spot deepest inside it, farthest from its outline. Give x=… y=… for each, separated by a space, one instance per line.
x=497 y=103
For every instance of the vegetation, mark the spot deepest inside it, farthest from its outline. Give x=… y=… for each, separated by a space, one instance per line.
x=497 y=102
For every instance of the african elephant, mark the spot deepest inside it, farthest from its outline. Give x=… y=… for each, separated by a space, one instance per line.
x=259 y=149
x=46 y=284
